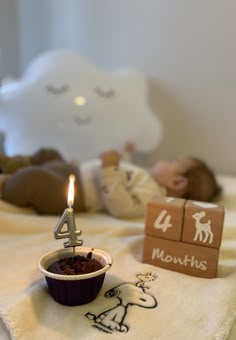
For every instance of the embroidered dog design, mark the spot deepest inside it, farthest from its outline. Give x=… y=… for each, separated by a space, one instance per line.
x=202 y=229
x=127 y=294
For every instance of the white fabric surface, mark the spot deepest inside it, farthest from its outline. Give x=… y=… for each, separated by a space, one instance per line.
x=187 y=307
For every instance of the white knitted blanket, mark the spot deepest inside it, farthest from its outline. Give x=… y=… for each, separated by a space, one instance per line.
x=137 y=301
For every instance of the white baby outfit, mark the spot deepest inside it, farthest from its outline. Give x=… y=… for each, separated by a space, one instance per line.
x=122 y=191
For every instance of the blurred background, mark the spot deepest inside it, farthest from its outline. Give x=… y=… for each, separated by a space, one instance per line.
x=186 y=48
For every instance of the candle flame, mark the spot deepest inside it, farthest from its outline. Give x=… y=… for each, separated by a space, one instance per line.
x=71 y=191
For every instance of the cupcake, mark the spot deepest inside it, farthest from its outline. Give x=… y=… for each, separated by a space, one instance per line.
x=75 y=279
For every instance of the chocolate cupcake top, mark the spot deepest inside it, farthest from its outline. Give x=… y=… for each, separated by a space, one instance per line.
x=76 y=265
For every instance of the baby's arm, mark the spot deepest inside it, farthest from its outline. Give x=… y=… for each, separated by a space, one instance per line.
x=123 y=196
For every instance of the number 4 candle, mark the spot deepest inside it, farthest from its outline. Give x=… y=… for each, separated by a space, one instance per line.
x=68 y=218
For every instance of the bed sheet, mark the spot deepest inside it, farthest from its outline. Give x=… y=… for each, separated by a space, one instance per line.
x=184 y=307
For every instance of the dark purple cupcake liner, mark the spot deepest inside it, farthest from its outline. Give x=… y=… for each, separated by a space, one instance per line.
x=74 y=293
x=74 y=290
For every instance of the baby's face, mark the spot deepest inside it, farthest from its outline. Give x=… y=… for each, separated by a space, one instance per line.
x=169 y=174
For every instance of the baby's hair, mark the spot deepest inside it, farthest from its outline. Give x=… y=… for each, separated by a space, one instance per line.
x=202 y=183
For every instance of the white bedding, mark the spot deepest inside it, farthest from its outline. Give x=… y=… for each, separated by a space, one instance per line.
x=187 y=307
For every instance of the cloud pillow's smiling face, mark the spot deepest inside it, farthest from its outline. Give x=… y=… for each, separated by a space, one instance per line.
x=65 y=102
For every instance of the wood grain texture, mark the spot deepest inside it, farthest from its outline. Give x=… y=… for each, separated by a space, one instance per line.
x=203 y=224
x=181 y=257
x=164 y=218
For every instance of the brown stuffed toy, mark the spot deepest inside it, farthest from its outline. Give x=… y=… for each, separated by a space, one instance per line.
x=10 y=164
x=40 y=181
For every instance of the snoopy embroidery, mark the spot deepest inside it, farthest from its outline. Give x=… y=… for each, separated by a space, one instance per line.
x=128 y=294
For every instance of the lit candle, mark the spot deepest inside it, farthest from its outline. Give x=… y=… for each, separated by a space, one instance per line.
x=68 y=218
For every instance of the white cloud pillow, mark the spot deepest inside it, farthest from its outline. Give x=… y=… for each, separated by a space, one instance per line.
x=63 y=101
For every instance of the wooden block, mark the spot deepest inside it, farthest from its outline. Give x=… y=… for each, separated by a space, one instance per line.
x=181 y=257
x=164 y=218
x=203 y=224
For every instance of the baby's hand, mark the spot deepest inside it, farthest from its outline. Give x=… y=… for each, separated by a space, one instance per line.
x=129 y=147
x=110 y=158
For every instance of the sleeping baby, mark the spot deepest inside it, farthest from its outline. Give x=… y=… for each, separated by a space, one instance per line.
x=106 y=184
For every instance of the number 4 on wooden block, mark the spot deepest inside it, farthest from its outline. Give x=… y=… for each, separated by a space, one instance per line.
x=164 y=218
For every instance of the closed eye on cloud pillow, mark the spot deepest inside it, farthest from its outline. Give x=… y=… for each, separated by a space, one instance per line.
x=65 y=102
